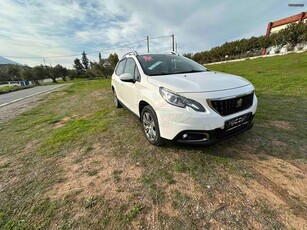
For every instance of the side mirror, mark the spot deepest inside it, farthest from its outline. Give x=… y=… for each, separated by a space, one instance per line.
x=126 y=77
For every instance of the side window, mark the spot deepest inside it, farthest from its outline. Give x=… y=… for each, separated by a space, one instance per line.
x=130 y=66
x=137 y=75
x=120 y=67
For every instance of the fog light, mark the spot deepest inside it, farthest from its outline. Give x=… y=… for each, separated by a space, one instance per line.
x=184 y=136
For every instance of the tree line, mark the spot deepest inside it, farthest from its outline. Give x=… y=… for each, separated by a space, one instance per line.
x=35 y=74
x=293 y=35
x=103 y=68
x=82 y=69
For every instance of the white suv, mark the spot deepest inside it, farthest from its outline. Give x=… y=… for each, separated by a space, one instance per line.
x=179 y=99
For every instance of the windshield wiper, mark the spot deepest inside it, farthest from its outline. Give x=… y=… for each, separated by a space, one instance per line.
x=191 y=71
x=156 y=74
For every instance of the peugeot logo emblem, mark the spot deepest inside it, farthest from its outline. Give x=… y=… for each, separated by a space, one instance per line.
x=239 y=103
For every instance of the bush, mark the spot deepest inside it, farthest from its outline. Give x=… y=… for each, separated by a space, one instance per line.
x=292 y=35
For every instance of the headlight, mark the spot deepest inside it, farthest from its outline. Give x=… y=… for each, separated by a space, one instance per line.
x=180 y=101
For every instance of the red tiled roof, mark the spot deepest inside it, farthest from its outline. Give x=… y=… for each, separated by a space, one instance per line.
x=294 y=18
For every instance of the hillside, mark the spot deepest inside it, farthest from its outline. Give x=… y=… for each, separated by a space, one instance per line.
x=5 y=61
x=284 y=75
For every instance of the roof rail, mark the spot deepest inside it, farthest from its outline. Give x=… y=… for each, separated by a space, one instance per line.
x=172 y=52
x=131 y=52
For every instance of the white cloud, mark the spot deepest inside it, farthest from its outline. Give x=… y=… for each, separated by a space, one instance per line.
x=61 y=27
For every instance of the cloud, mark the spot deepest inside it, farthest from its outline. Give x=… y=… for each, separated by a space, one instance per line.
x=33 y=28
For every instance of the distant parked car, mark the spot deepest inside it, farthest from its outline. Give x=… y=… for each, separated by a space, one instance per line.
x=179 y=99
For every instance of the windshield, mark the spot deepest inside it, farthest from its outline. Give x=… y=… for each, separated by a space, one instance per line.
x=165 y=64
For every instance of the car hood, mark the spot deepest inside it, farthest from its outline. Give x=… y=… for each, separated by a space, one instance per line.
x=208 y=81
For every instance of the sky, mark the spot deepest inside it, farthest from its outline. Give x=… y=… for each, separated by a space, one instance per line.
x=58 y=31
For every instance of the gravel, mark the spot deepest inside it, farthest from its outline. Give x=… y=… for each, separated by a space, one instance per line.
x=13 y=110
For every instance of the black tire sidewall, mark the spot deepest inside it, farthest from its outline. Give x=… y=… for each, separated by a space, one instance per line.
x=117 y=105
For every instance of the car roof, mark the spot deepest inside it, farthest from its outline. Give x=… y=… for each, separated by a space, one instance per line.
x=134 y=53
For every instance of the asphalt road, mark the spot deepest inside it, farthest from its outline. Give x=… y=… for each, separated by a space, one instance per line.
x=12 y=97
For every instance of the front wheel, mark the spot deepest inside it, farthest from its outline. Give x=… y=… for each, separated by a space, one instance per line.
x=151 y=126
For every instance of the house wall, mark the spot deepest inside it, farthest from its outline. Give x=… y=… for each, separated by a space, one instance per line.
x=274 y=27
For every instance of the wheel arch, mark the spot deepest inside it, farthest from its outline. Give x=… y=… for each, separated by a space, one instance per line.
x=142 y=104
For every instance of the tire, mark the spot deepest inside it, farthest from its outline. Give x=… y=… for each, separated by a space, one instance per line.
x=151 y=126
x=115 y=99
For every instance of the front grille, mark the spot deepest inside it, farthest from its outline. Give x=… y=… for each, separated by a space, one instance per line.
x=232 y=105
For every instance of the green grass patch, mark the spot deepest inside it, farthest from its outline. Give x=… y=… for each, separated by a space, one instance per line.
x=280 y=75
x=8 y=89
x=64 y=144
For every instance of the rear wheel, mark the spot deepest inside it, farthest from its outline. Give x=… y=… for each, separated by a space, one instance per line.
x=115 y=99
x=151 y=126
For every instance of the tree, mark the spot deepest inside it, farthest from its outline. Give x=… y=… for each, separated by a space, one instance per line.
x=188 y=55
x=35 y=74
x=294 y=33
x=85 y=61
x=264 y=41
x=48 y=72
x=60 y=71
x=100 y=59
x=78 y=66
x=72 y=74
x=28 y=74
x=13 y=72
x=113 y=59
x=4 y=76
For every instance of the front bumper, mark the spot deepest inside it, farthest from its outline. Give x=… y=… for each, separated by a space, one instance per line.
x=207 y=137
x=175 y=121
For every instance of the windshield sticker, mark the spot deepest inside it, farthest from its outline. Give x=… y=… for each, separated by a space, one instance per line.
x=155 y=65
x=147 y=58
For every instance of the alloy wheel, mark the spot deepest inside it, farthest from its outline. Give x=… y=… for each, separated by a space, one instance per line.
x=149 y=126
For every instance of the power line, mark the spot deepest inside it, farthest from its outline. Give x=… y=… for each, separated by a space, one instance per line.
x=126 y=45
x=73 y=55
x=166 y=36
x=92 y=52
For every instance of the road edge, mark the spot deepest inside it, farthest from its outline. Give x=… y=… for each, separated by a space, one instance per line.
x=34 y=94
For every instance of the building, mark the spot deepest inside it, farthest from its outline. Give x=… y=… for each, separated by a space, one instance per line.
x=274 y=27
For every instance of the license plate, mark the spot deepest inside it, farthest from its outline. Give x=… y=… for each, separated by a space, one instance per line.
x=237 y=121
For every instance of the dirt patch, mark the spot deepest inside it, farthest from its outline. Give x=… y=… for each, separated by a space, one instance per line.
x=301 y=166
x=279 y=143
x=9 y=173
x=97 y=173
x=185 y=184
x=281 y=125
x=260 y=193
x=285 y=175
x=99 y=94
x=283 y=186
x=62 y=122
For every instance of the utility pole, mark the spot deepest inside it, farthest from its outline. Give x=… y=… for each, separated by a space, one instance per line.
x=147 y=44
x=173 y=42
